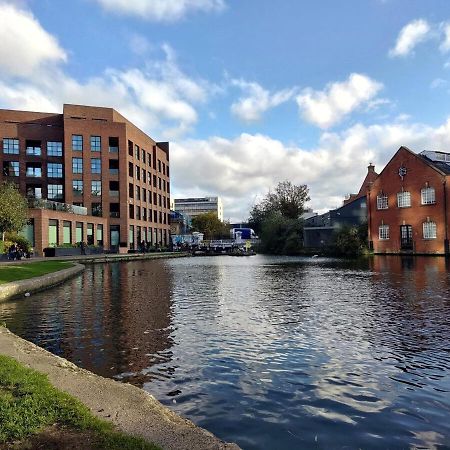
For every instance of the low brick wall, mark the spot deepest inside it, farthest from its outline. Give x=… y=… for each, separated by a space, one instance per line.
x=35 y=284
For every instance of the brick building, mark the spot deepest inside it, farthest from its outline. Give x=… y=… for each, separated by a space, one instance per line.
x=408 y=204
x=90 y=175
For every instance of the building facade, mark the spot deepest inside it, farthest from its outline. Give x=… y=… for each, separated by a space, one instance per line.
x=196 y=206
x=408 y=204
x=113 y=179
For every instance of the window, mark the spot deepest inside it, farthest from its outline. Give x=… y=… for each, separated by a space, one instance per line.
x=96 y=165
x=130 y=190
x=138 y=173
x=149 y=159
x=33 y=170
x=138 y=193
x=138 y=213
x=54 y=148
x=97 y=209
x=428 y=196
x=114 y=167
x=159 y=166
x=11 y=168
x=99 y=234
x=114 y=210
x=55 y=191
x=96 y=188
x=144 y=195
x=429 y=230
x=164 y=169
x=159 y=183
x=403 y=199
x=33 y=148
x=54 y=170
x=130 y=148
x=52 y=232
x=144 y=213
x=143 y=156
x=382 y=201
x=383 y=232
x=113 y=144
x=67 y=232
x=136 y=152
x=131 y=211
x=154 y=180
x=77 y=187
x=90 y=233
x=130 y=169
x=79 y=232
x=144 y=176
x=77 y=165
x=159 y=200
x=11 y=146
x=77 y=142
x=96 y=143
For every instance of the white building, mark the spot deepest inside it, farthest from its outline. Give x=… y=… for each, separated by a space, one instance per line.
x=200 y=205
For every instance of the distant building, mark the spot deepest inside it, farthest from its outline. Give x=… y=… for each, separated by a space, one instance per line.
x=200 y=205
x=319 y=229
x=409 y=208
x=179 y=223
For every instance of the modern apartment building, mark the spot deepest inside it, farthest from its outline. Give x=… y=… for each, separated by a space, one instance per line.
x=91 y=176
x=408 y=204
x=196 y=206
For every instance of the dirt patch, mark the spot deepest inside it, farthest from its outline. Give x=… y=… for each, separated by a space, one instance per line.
x=56 y=438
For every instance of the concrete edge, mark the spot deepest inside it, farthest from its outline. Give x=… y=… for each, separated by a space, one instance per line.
x=130 y=409
x=35 y=284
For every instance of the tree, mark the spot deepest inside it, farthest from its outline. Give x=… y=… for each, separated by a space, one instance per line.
x=277 y=218
x=210 y=226
x=351 y=241
x=13 y=209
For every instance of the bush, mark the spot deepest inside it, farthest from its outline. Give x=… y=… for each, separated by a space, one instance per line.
x=351 y=241
x=20 y=241
x=281 y=235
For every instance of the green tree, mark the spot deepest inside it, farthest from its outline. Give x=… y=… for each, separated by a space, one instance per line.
x=351 y=241
x=210 y=226
x=277 y=219
x=13 y=209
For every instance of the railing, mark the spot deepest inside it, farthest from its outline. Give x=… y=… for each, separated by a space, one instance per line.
x=114 y=214
x=113 y=149
x=56 y=206
x=113 y=193
x=114 y=171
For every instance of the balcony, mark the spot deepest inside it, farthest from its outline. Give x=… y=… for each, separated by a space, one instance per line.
x=36 y=203
x=114 y=171
x=113 y=149
x=113 y=193
x=114 y=214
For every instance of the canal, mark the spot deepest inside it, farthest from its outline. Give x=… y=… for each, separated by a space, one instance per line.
x=268 y=352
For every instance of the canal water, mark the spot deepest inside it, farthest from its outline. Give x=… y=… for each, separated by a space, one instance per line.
x=268 y=352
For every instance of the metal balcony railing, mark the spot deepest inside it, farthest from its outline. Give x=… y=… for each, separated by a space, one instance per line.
x=38 y=203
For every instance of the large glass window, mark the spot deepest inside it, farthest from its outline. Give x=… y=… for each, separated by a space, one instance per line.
x=77 y=165
x=428 y=196
x=96 y=143
x=11 y=168
x=113 y=144
x=55 y=191
x=383 y=232
x=67 y=232
x=96 y=165
x=33 y=170
x=99 y=234
x=54 y=148
x=77 y=142
x=32 y=147
x=54 y=170
x=382 y=201
x=11 y=146
x=97 y=209
x=90 y=234
x=429 y=230
x=96 y=187
x=52 y=232
x=77 y=186
x=136 y=152
x=79 y=232
x=403 y=199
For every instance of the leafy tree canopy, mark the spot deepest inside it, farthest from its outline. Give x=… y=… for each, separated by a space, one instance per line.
x=210 y=226
x=13 y=209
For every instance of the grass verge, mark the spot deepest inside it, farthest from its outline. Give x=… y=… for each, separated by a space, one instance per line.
x=29 y=404
x=16 y=272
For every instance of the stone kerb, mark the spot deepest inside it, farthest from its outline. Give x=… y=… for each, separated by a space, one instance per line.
x=35 y=284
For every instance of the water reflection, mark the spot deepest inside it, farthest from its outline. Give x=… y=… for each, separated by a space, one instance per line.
x=268 y=352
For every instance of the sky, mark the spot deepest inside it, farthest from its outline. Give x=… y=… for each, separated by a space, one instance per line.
x=248 y=92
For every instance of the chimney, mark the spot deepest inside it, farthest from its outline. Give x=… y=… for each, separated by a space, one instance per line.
x=371 y=168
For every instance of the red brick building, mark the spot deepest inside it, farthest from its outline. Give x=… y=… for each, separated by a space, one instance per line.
x=91 y=176
x=408 y=204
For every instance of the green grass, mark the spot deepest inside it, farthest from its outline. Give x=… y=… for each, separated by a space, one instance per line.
x=15 y=272
x=29 y=403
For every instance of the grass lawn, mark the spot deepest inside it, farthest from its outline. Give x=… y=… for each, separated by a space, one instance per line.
x=30 y=405
x=15 y=272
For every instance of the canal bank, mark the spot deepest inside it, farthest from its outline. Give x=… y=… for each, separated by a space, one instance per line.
x=130 y=409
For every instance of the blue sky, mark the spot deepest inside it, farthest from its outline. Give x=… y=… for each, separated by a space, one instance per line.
x=248 y=92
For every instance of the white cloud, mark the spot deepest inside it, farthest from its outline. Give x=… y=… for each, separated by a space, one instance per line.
x=139 y=44
x=410 y=35
x=257 y=100
x=161 y=10
x=445 y=44
x=328 y=107
x=244 y=168
x=438 y=83
x=25 y=46
x=156 y=96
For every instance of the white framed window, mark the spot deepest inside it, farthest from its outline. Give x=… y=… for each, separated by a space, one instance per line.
x=428 y=196
x=404 y=199
x=429 y=230
x=54 y=148
x=383 y=232
x=382 y=201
